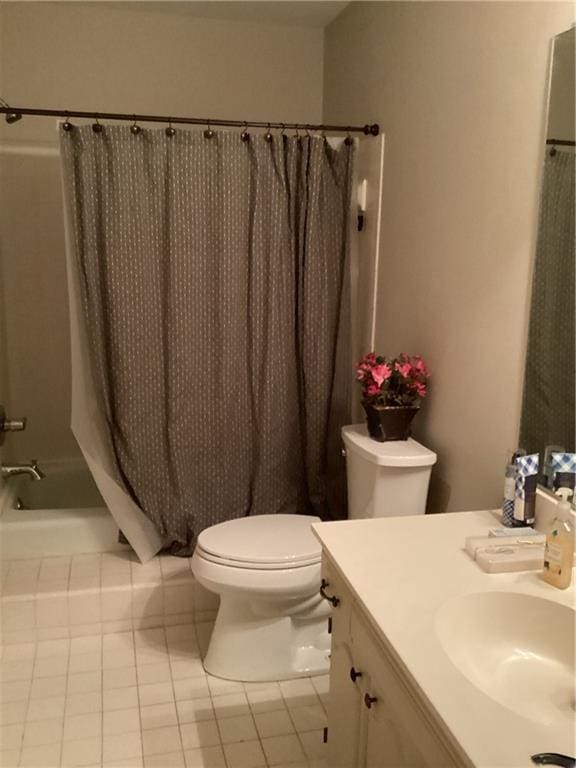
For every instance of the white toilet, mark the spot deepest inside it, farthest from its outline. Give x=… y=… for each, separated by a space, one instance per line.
x=272 y=621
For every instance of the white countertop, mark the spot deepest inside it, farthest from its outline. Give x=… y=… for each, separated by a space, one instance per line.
x=402 y=570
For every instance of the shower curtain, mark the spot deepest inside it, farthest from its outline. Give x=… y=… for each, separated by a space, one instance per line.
x=548 y=408
x=210 y=302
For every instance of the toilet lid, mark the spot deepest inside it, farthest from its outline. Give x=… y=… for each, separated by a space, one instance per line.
x=263 y=539
x=395 y=453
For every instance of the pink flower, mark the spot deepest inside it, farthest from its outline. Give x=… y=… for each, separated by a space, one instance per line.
x=367 y=361
x=420 y=366
x=392 y=381
x=404 y=369
x=420 y=388
x=381 y=372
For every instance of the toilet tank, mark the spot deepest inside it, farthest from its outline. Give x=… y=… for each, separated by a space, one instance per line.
x=385 y=479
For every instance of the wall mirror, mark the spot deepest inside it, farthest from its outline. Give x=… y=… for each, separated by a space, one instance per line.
x=548 y=421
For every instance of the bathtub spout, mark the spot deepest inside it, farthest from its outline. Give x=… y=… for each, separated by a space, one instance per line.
x=30 y=468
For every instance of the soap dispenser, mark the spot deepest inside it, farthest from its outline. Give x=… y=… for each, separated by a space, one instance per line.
x=559 y=551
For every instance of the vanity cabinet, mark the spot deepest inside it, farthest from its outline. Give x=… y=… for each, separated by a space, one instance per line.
x=375 y=717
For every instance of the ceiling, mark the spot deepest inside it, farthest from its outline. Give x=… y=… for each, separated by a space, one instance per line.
x=295 y=13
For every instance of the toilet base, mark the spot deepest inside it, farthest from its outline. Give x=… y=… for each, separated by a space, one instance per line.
x=254 y=641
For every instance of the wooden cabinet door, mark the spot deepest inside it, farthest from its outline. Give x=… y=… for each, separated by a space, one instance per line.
x=345 y=701
x=344 y=710
x=395 y=730
x=388 y=742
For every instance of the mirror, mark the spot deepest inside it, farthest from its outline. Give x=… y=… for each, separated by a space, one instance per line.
x=548 y=419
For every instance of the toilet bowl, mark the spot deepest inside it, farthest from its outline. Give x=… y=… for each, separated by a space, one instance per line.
x=272 y=621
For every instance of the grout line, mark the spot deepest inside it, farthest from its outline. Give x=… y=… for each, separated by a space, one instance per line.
x=66 y=695
x=29 y=698
x=137 y=692
x=178 y=723
x=101 y=689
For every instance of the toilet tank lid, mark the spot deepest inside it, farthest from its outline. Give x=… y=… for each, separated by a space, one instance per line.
x=395 y=453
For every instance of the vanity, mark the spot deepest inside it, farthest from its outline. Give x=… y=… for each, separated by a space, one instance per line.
x=436 y=663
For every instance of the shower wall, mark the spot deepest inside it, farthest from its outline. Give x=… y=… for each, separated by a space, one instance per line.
x=94 y=56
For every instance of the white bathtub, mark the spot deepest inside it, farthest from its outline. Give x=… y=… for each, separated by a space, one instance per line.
x=63 y=514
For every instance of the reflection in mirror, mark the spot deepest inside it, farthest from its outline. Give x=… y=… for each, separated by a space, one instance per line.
x=548 y=408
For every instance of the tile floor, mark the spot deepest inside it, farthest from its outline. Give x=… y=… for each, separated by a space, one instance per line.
x=91 y=571
x=140 y=697
x=56 y=597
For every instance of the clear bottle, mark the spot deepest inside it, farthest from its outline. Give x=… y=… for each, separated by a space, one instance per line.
x=509 y=498
x=559 y=551
x=509 y=494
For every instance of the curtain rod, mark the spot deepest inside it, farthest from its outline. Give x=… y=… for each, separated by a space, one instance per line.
x=560 y=142
x=13 y=114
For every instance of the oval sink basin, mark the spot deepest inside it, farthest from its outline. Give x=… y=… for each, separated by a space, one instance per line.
x=515 y=648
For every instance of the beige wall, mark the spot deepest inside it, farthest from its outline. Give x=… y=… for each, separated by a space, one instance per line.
x=81 y=55
x=459 y=89
x=562 y=115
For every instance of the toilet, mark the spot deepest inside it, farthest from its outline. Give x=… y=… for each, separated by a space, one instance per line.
x=272 y=621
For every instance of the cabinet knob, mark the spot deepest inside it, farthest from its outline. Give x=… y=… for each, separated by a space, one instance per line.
x=334 y=600
x=354 y=674
x=369 y=700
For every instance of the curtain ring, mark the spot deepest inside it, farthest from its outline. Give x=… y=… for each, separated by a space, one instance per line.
x=268 y=135
x=67 y=125
x=208 y=133
x=245 y=136
x=283 y=131
x=135 y=129
x=348 y=140
x=307 y=131
x=170 y=131
x=96 y=127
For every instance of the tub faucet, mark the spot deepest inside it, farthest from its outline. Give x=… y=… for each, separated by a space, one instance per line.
x=30 y=468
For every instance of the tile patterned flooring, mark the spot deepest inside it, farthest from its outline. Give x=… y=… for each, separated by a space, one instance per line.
x=138 y=697
x=87 y=594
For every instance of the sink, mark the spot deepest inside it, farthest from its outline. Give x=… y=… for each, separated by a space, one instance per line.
x=517 y=649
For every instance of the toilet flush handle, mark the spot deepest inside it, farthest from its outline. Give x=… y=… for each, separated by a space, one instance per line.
x=553 y=758
x=331 y=599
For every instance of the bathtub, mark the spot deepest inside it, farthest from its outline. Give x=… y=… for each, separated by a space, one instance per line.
x=63 y=514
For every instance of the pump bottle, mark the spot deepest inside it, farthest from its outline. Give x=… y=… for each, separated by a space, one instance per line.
x=559 y=551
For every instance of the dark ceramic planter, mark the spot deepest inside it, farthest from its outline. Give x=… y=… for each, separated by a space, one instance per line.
x=389 y=422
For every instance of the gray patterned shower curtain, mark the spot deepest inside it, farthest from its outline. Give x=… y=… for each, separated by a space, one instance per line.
x=549 y=401
x=209 y=289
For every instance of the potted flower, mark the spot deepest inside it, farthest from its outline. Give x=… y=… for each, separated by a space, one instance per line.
x=392 y=390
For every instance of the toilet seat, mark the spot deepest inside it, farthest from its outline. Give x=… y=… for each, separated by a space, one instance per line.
x=262 y=542
x=230 y=563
